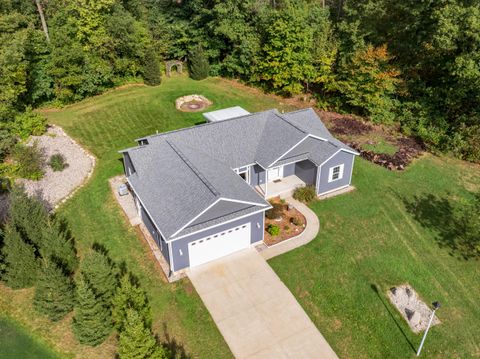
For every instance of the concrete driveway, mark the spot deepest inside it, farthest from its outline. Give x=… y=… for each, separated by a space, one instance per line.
x=255 y=312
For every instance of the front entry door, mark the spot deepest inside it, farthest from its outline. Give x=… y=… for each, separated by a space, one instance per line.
x=275 y=173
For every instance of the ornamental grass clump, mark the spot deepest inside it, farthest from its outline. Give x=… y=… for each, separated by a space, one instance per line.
x=305 y=194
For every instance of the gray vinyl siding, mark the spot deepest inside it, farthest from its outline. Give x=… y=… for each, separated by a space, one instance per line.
x=341 y=157
x=289 y=170
x=257 y=175
x=306 y=171
x=181 y=261
x=157 y=237
x=127 y=163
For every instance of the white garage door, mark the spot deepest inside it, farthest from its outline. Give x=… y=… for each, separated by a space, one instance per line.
x=218 y=245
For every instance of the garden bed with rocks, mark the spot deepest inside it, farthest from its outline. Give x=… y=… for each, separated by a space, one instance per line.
x=290 y=223
x=411 y=307
x=57 y=186
x=379 y=144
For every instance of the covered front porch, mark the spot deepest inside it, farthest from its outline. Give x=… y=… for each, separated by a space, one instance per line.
x=282 y=187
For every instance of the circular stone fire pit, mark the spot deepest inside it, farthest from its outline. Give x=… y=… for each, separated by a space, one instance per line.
x=192 y=103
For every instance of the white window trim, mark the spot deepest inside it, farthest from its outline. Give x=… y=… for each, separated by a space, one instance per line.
x=340 y=175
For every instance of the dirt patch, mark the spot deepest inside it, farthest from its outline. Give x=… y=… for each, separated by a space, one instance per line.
x=411 y=307
x=291 y=223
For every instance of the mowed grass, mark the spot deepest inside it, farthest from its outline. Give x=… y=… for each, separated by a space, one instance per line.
x=104 y=125
x=16 y=342
x=368 y=240
x=368 y=243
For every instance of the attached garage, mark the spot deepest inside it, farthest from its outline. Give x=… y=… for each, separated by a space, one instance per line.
x=219 y=244
x=218 y=241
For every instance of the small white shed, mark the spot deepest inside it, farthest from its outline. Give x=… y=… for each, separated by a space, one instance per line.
x=225 y=114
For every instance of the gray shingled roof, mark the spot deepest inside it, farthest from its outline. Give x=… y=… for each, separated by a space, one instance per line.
x=185 y=177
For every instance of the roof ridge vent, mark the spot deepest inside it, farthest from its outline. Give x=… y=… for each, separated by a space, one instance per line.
x=194 y=169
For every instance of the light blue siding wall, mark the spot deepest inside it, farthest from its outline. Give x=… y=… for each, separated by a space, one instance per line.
x=157 y=237
x=257 y=175
x=289 y=170
x=181 y=260
x=341 y=157
x=306 y=171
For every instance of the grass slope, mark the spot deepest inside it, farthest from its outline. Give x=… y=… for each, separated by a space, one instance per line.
x=17 y=343
x=369 y=242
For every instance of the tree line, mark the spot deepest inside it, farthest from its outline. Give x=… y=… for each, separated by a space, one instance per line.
x=37 y=250
x=412 y=63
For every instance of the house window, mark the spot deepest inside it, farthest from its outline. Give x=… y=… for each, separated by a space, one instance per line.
x=335 y=173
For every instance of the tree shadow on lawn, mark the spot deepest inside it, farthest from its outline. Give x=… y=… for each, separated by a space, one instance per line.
x=457 y=225
x=176 y=349
x=392 y=316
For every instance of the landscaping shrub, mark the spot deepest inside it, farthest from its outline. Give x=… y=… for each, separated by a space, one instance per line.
x=30 y=161
x=305 y=194
x=29 y=123
x=295 y=221
x=7 y=142
x=273 y=230
x=58 y=162
x=274 y=212
x=286 y=227
x=198 y=64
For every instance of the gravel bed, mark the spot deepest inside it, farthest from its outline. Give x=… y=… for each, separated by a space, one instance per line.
x=56 y=187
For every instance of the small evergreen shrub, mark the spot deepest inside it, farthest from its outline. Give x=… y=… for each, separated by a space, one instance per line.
x=58 y=162
x=273 y=230
x=198 y=64
x=305 y=194
x=274 y=212
x=30 y=161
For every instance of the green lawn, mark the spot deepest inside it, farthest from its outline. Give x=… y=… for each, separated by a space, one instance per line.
x=367 y=240
x=15 y=342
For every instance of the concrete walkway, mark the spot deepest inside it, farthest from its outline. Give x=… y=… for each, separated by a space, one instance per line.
x=255 y=312
x=310 y=232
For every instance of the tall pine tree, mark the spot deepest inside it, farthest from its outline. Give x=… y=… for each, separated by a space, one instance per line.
x=28 y=215
x=57 y=245
x=136 y=341
x=130 y=295
x=92 y=322
x=151 y=69
x=198 y=64
x=54 y=293
x=20 y=264
x=101 y=274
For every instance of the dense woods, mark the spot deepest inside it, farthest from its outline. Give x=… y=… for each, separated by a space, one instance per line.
x=411 y=63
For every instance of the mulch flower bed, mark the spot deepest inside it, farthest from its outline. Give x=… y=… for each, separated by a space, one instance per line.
x=287 y=228
x=356 y=133
x=407 y=152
